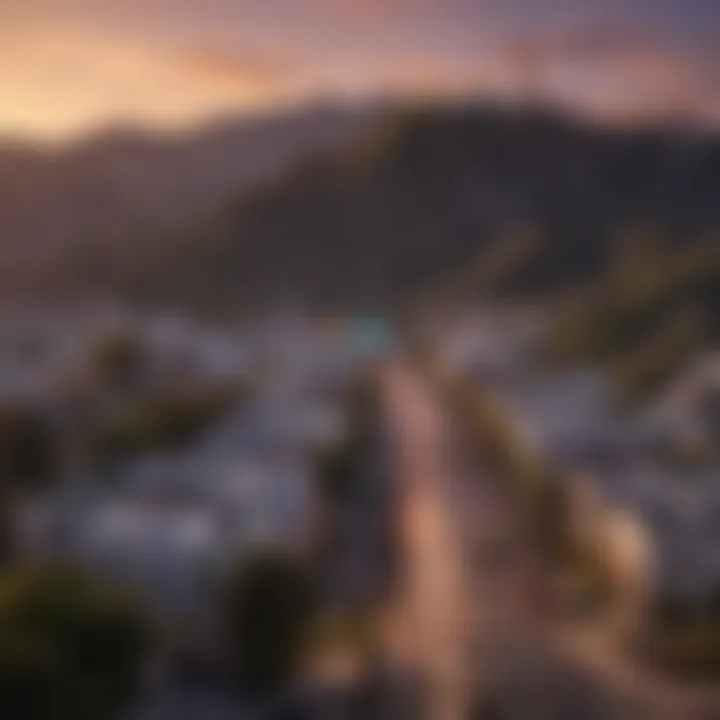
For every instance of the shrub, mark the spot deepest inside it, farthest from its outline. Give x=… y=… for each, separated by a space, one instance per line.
x=684 y=637
x=335 y=464
x=117 y=357
x=270 y=608
x=28 y=448
x=163 y=420
x=68 y=644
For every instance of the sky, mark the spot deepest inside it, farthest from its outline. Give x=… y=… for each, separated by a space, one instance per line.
x=70 y=67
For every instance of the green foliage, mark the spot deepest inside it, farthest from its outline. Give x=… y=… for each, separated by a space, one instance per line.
x=414 y=198
x=270 y=609
x=165 y=419
x=490 y=271
x=7 y=524
x=683 y=636
x=117 y=357
x=551 y=513
x=496 y=439
x=540 y=494
x=589 y=581
x=32 y=681
x=650 y=307
x=69 y=648
x=651 y=362
x=28 y=449
x=335 y=465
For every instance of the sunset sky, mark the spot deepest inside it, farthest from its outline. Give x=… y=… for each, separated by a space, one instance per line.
x=73 y=66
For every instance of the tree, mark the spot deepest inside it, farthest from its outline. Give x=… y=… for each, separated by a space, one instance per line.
x=31 y=680
x=68 y=644
x=334 y=465
x=7 y=524
x=29 y=454
x=117 y=358
x=168 y=418
x=683 y=635
x=271 y=604
x=28 y=449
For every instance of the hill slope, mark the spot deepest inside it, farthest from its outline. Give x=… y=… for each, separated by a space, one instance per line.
x=111 y=188
x=416 y=198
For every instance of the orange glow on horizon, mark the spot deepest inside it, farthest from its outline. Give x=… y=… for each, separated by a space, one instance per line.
x=66 y=78
x=67 y=82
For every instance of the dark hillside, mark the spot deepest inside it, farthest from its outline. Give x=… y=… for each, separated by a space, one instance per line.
x=413 y=200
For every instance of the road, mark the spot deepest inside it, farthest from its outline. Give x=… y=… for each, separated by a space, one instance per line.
x=464 y=622
x=431 y=612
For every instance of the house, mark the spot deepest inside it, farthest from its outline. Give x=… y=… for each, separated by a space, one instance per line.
x=175 y=526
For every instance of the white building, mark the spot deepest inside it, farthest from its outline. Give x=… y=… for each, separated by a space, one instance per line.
x=176 y=525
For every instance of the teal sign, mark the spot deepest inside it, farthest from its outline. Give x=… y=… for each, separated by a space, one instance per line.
x=371 y=335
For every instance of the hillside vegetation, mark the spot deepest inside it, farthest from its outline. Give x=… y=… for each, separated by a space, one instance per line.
x=650 y=308
x=412 y=201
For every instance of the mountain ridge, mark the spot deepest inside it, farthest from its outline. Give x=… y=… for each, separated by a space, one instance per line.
x=408 y=196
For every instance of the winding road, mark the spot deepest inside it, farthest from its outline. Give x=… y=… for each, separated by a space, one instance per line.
x=465 y=620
